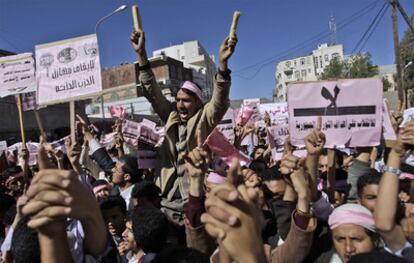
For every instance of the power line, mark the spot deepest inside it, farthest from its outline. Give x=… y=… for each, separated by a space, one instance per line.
x=310 y=42
x=367 y=31
x=373 y=30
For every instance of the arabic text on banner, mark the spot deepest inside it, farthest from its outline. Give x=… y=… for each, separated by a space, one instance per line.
x=351 y=111
x=68 y=70
x=278 y=112
x=227 y=125
x=17 y=74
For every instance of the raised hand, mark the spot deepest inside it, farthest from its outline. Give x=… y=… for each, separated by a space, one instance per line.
x=226 y=50
x=235 y=219
x=316 y=140
x=138 y=41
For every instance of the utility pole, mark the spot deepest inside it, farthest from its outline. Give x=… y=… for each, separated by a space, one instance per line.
x=404 y=15
x=397 y=50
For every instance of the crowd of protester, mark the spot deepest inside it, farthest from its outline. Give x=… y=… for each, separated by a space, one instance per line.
x=95 y=204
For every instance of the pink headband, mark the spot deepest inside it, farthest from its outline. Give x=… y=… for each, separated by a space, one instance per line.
x=98 y=188
x=352 y=214
x=215 y=178
x=13 y=179
x=188 y=85
x=407 y=176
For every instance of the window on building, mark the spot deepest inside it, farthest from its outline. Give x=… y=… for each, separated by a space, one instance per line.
x=303 y=72
x=309 y=70
x=326 y=58
x=294 y=62
x=302 y=61
x=335 y=55
x=308 y=60
x=316 y=62
x=287 y=64
x=297 y=74
x=320 y=61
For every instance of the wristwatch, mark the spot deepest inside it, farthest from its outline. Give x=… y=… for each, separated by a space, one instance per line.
x=390 y=169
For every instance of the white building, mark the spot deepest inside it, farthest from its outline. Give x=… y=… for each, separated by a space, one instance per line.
x=388 y=72
x=305 y=68
x=194 y=56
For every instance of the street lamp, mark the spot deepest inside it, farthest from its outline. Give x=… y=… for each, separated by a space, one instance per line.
x=403 y=82
x=119 y=9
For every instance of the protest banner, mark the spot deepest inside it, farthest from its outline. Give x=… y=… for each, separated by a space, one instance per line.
x=278 y=112
x=221 y=147
x=29 y=102
x=351 y=111
x=149 y=123
x=130 y=131
x=227 y=124
x=32 y=147
x=60 y=144
x=249 y=111
x=147 y=137
x=68 y=70
x=107 y=139
x=277 y=135
x=17 y=74
x=388 y=130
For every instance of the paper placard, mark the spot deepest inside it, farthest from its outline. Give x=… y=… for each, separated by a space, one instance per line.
x=17 y=74
x=68 y=70
x=351 y=111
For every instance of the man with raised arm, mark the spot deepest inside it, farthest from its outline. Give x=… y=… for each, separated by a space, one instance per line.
x=182 y=119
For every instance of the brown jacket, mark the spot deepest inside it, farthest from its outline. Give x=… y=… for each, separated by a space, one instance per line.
x=297 y=244
x=295 y=248
x=206 y=119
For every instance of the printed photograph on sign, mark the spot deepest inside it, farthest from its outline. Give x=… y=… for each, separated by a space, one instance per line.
x=68 y=69
x=351 y=111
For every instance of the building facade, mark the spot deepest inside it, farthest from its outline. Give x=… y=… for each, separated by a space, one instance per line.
x=195 y=57
x=121 y=86
x=388 y=72
x=304 y=68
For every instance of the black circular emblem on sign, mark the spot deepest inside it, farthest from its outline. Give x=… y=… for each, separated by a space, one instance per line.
x=67 y=55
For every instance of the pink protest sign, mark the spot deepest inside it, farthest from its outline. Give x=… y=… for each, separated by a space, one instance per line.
x=351 y=111
x=278 y=112
x=227 y=124
x=388 y=130
x=277 y=136
x=221 y=147
x=244 y=114
x=107 y=139
x=31 y=146
x=147 y=138
x=249 y=111
x=130 y=131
